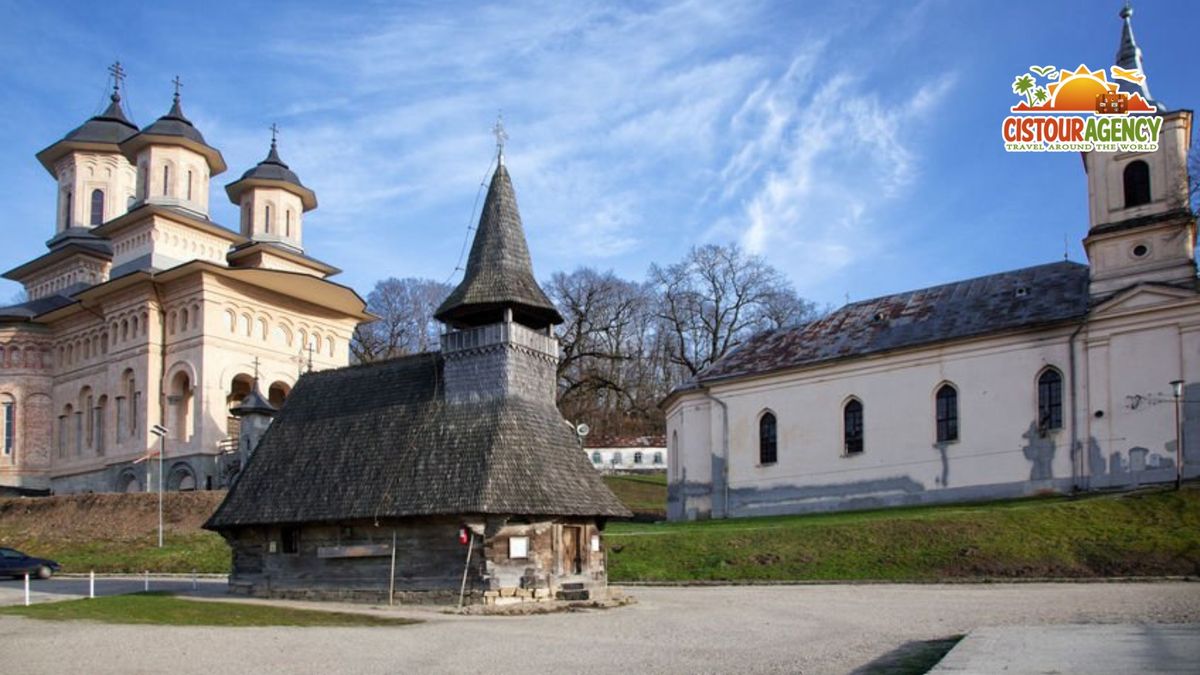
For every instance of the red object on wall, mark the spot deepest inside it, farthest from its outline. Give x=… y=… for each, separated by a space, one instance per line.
x=464 y=535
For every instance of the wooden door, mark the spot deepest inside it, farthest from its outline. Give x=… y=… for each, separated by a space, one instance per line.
x=572 y=560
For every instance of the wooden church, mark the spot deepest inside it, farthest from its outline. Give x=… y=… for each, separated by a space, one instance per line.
x=432 y=477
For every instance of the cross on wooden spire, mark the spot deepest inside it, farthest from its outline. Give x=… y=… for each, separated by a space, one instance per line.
x=501 y=136
x=118 y=75
x=256 y=369
x=274 y=133
x=178 y=84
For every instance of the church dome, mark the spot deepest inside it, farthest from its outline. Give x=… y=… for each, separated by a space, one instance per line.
x=104 y=132
x=272 y=172
x=174 y=128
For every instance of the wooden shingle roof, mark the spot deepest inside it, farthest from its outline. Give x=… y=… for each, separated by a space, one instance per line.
x=499 y=271
x=379 y=440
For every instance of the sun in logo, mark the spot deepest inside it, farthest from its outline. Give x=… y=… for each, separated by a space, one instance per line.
x=1077 y=90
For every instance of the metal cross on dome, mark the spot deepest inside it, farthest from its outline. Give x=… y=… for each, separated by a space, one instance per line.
x=256 y=369
x=274 y=132
x=118 y=74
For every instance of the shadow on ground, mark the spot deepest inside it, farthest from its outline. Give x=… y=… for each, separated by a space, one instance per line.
x=910 y=658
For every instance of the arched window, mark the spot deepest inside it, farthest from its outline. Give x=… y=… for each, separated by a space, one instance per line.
x=596 y=458
x=8 y=417
x=287 y=223
x=658 y=458
x=98 y=414
x=852 y=427
x=97 y=215
x=189 y=185
x=767 y=446
x=166 y=179
x=1137 y=183
x=637 y=458
x=181 y=399
x=947 y=414
x=1050 y=400
x=617 y=459
x=267 y=220
x=67 y=209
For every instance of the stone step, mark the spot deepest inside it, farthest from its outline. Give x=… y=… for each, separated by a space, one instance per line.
x=574 y=596
x=573 y=586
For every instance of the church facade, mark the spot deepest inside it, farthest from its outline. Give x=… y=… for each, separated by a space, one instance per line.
x=1056 y=378
x=145 y=312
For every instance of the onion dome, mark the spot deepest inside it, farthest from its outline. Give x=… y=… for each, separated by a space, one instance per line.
x=102 y=133
x=174 y=129
x=272 y=172
x=499 y=273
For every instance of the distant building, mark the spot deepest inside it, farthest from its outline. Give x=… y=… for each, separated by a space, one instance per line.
x=1054 y=378
x=634 y=454
x=457 y=463
x=145 y=312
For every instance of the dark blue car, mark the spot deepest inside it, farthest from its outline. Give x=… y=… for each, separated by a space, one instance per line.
x=17 y=564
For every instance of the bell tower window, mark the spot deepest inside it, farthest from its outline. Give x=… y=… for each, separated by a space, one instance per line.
x=166 y=180
x=1137 y=184
x=97 y=215
x=267 y=220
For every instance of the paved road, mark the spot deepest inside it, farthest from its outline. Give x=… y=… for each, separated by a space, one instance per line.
x=792 y=629
x=12 y=592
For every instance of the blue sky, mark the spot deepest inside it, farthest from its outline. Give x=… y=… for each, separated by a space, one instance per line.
x=854 y=144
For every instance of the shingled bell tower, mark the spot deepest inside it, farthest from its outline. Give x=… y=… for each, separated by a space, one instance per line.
x=499 y=340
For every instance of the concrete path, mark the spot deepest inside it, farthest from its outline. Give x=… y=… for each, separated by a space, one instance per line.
x=1093 y=649
x=776 y=629
x=12 y=591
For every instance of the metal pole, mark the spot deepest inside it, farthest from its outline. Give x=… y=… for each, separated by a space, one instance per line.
x=146 y=576
x=1178 y=444
x=162 y=449
x=193 y=580
x=463 y=589
x=92 y=585
x=392 y=576
x=27 y=589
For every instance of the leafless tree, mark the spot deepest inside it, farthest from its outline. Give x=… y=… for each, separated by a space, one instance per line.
x=406 y=325
x=1194 y=175
x=718 y=296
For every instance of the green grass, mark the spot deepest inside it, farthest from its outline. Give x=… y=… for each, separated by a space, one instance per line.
x=202 y=551
x=164 y=609
x=1137 y=534
x=644 y=494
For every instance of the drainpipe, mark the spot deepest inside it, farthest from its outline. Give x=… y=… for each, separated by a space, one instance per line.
x=162 y=371
x=724 y=451
x=1079 y=460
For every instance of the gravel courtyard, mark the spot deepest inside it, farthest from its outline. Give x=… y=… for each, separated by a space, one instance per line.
x=792 y=629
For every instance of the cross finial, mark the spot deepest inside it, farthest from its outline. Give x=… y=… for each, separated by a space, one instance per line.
x=256 y=369
x=178 y=84
x=501 y=137
x=118 y=75
x=274 y=133
x=310 y=354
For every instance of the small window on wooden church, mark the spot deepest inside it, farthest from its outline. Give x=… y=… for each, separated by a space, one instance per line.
x=1050 y=400
x=596 y=458
x=289 y=540
x=947 y=414
x=637 y=458
x=852 y=427
x=1137 y=183
x=767 y=447
x=518 y=548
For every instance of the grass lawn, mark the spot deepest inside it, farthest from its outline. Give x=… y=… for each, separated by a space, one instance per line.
x=201 y=551
x=644 y=494
x=165 y=609
x=1152 y=532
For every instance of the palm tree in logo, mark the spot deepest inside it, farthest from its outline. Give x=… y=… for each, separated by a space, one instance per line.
x=1022 y=86
x=1040 y=95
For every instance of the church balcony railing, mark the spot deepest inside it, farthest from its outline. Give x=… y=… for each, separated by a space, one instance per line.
x=499 y=333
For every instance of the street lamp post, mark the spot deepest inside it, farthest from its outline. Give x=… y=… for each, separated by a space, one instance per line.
x=161 y=432
x=1177 y=390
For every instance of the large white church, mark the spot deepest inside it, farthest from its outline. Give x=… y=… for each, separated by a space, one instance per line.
x=1059 y=378
x=144 y=312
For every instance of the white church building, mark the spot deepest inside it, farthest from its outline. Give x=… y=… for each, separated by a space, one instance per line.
x=1056 y=378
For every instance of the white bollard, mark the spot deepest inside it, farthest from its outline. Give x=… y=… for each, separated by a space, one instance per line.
x=27 y=589
x=92 y=585
x=147 y=574
x=193 y=580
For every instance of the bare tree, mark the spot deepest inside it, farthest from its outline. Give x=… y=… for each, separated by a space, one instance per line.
x=406 y=325
x=1193 y=168
x=718 y=296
